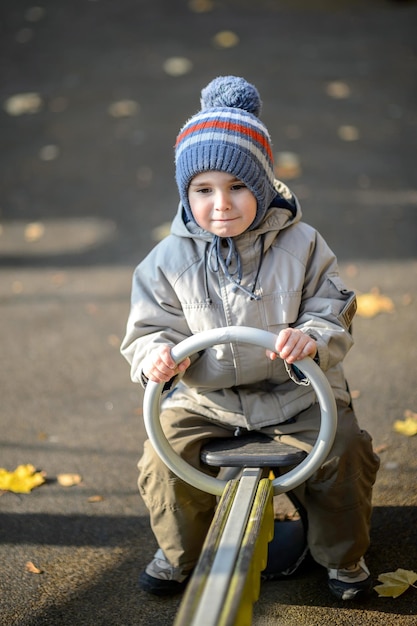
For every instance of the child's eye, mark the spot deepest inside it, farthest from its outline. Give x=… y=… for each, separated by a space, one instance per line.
x=204 y=190
x=238 y=186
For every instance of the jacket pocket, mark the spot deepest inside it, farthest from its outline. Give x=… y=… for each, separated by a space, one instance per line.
x=281 y=309
x=201 y=316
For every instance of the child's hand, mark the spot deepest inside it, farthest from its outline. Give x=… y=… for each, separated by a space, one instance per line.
x=160 y=367
x=292 y=345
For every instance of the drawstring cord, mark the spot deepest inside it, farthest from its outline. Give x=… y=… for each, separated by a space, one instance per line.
x=216 y=260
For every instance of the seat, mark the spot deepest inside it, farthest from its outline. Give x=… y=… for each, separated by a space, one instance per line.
x=252 y=449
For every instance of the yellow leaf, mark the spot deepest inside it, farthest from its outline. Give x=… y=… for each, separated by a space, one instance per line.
x=406 y=427
x=370 y=304
x=395 y=583
x=22 y=480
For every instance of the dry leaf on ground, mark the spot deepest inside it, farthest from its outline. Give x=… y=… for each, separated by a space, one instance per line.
x=395 y=583
x=372 y=303
x=69 y=480
x=22 y=480
x=31 y=567
x=226 y=39
x=406 y=427
x=23 y=103
x=96 y=498
x=177 y=66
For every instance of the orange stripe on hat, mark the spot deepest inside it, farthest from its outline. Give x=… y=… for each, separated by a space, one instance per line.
x=228 y=126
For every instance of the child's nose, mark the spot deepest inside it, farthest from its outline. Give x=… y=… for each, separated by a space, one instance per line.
x=222 y=201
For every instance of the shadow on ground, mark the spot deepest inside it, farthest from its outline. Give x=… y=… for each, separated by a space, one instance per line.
x=108 y=594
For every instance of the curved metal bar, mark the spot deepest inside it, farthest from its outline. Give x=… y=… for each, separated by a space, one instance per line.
x=265 y=339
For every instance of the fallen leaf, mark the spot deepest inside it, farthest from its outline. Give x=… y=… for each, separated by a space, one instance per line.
x=372 y=303
x=381 y=448
x=30 y=567
x=177 y=66
x=95 y=498
x=408 y=413
x=69 y=480
x=338 y=89
x=22 y=103
x=395 y=583
x=406 y=427
x=34 y=231
x=22 y=480
x=226 y=39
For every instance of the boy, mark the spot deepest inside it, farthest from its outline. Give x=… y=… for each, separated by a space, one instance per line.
x=239 y=254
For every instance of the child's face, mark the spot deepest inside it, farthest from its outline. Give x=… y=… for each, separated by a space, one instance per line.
x=221 y=204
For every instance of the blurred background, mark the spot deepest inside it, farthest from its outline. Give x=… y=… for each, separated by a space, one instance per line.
x=94 y=93
x=92 y=96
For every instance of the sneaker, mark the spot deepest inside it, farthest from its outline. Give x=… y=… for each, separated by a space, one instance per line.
x=161 y=579
x=350 y=583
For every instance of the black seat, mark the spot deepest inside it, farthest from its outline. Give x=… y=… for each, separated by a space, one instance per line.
x=253 y=449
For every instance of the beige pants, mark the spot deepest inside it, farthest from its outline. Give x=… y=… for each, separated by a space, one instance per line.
x=337 y=497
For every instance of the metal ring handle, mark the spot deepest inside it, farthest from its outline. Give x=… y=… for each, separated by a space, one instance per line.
x=265 y=339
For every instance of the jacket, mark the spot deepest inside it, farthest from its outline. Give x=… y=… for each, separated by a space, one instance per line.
x=294 y=278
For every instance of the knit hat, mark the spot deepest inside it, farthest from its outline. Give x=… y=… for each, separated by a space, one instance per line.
x=227 y=136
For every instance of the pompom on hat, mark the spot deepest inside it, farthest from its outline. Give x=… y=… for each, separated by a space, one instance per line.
x=228 y=136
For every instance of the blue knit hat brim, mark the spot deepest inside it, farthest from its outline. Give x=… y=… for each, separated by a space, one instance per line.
x=228 y=140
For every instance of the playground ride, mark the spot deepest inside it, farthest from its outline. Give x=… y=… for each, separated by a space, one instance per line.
x=226 y=581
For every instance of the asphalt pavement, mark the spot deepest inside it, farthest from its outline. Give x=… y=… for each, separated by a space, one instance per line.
x=92 y=95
